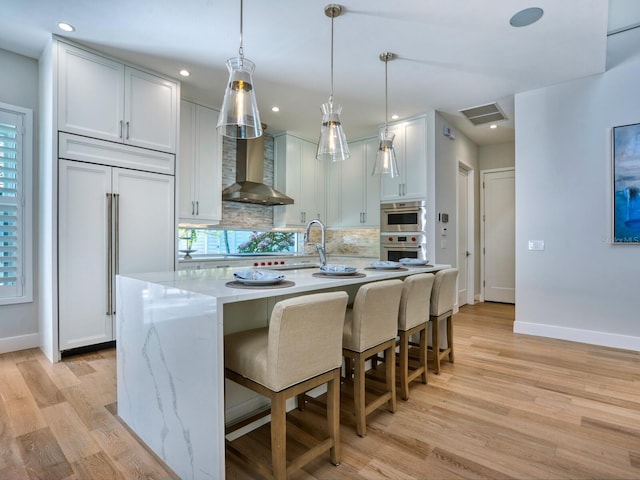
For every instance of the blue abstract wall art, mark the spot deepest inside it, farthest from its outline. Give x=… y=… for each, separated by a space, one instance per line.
x=626 y=184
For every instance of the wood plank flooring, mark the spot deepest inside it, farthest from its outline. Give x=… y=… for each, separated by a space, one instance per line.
x=512 y=406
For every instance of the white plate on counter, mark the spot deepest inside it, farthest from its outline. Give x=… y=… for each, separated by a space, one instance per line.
x=257 y=277
x=338 y=270
x=385 y=265
x=413 y=261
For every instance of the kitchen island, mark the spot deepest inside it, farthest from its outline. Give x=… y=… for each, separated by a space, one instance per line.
x=170 y=328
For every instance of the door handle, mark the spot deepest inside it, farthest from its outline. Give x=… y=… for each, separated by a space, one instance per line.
x=197 y=207
x=121 y=126
x=109 y=252
x=468 y=253
x=193 y=208
x=127 y=130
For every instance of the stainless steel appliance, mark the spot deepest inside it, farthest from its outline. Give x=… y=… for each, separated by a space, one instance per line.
x=403 y=217
x=393 y=247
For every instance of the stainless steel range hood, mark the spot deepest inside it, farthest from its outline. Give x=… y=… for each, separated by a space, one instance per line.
x=249 y=175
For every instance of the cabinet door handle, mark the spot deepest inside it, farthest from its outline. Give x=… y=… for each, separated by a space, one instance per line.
x=121 y=126
x=128 y=130
x=197 y=207
x=193 y=208
x=109 y=251
x=399 y=189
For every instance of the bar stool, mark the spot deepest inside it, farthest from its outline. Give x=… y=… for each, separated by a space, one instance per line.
x=413 y=318
x=443 y=296
x=298 y=351
x=370 y=328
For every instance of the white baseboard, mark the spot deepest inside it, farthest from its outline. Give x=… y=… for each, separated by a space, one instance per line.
x=22 y=342
x=604 y=339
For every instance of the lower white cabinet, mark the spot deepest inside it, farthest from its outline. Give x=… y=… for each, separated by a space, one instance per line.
x=353 y=194
x=110 y=220
x=200 y=166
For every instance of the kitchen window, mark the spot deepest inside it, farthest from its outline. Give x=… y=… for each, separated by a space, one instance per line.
x=223 y=242
x=15 y=204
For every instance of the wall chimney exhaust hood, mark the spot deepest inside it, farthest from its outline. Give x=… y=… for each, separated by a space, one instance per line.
x=249 y=175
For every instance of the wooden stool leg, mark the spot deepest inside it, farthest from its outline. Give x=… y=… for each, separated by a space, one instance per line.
x=333 y=416
x=279 y=436
x=423 y=354
x=359 y=396
x=450 y=336
x=404 y=365
x=301 y=400
x=435 y=342
x=390 y=363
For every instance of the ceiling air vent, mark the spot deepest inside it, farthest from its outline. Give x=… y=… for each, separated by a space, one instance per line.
x=484 y=114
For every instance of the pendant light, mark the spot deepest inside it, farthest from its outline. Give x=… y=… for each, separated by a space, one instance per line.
x=239 y=117
x=332 y=144
x=386 y=159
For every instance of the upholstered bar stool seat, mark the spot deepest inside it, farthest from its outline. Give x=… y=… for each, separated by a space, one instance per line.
x=299 y=350
x=370 y=327
x=443 y=297
x=413 y=319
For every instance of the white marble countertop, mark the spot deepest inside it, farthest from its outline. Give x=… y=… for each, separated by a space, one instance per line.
x=211 y=281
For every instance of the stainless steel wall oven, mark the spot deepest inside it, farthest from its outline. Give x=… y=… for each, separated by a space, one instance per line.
x=403 y=217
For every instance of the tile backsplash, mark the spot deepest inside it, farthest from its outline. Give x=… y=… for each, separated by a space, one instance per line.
x=362 y=243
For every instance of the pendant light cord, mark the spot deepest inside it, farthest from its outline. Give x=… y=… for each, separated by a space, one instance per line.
x=331 y=92
x=240 y=50
x=386 y=99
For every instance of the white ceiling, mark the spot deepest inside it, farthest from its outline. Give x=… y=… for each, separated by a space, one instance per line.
x=452 y=55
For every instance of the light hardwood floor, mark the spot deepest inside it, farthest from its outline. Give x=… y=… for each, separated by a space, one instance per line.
x=512 y=406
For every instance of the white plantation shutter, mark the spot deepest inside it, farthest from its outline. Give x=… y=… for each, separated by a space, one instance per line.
x=12 y=191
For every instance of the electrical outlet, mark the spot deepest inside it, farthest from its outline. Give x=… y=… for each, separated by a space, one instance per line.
x=536 y=244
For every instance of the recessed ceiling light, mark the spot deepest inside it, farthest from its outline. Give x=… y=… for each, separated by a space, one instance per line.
x=185 y=73
x=394 y=116
x=493 y=126
x=275 y=109
x=526 y=17
x=67 y=27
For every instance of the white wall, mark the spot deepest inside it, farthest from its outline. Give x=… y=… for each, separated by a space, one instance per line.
x=19 y=86
x=581 y=287
x=500 y=155
x=448 y=154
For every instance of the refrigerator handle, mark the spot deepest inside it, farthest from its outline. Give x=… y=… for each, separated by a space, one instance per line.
x=109 y=253
x=116 y=197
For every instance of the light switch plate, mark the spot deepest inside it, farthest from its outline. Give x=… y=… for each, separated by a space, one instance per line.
x=536 y=244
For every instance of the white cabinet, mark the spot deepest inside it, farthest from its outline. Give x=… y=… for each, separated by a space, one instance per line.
x=410 y=145
x=101 y=98
x=353 y=194
x=111 y=220
x=302 y=177
x=200 y=166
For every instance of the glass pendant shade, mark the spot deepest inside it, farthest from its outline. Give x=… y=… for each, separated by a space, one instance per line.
x=332 y=144
x=239 y=117
x=386 y=159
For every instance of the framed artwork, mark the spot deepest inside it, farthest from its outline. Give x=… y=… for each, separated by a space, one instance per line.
x=626 y=184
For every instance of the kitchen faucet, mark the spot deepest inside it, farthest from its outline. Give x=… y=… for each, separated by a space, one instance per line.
x=321 y=247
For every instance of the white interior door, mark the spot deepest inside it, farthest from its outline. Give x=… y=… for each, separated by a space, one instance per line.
x=499 y=236
x=463 y=235
x=83 y=254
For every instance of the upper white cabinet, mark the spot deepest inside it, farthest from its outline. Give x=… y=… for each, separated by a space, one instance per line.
x=410 y=145
x=200 y=166
x=302 y=177
x=353 y=194
x=102 y=98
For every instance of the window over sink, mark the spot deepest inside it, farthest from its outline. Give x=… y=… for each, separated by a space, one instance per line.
x=202 y=241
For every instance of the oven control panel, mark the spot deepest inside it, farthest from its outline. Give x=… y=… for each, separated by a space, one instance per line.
x=408 y=239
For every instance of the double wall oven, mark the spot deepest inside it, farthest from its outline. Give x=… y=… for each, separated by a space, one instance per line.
x=403 y=230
